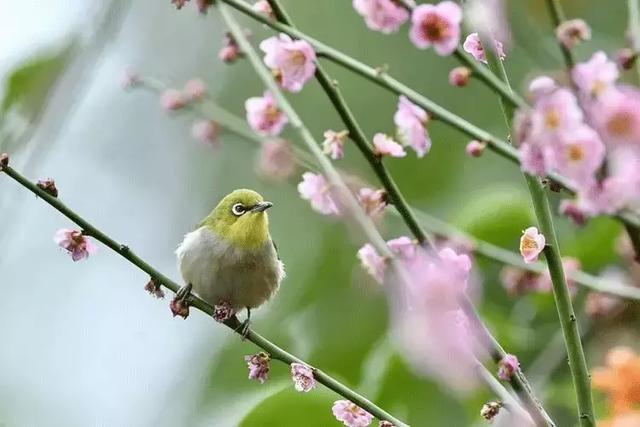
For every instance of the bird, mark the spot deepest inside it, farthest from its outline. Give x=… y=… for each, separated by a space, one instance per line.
x=230 y=259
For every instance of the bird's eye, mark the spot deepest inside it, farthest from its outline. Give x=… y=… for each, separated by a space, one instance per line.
x=238 y=209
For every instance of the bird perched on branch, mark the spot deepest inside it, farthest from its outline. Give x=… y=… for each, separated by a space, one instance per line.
x=230 y=260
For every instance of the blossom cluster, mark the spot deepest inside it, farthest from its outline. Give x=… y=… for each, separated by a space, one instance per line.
x=592 y=138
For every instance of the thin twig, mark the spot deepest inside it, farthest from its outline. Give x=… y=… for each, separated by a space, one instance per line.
x=234 y=324
x=633 y=7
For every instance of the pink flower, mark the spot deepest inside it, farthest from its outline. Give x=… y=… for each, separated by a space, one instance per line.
x=316 y=189
x=579 y=156
x=473 y=46
x=206 y=131
x=350 y=414
x=293 y=61
x=154 y=289
x=372 y=263
x=403 y=247
x=459 y=76
x=230 y=50
x=264 y=116
x=531 y=244
x=385 y=146
x=573 y=211
x=276 y=160
x=195 y=89
x=507 y=367
x=596 y=76
x=617 y=116
x=554 y=113
x=259 y=366
x=541 y=86
x=76 y=243
x=172 y=99
x=411 y=121
x=333 y=144
x=223 y=311
x=302 y=377
x=372 y=201
x=263 y=7
x=432 y=330
x=437 y=25
x=385 y=16
x=572 y=32
x=532 y=159
x=475 y=148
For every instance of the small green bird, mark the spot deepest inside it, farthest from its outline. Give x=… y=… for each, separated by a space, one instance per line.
x=230 y=258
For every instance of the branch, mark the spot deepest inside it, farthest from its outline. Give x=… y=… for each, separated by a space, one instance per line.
x=634 y=32
x=498 y=145
x=356 y=134
x=234 y=324
x=562 y=296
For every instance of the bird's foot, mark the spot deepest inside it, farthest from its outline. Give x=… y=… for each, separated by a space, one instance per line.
x=180 y=303
x=245 y=328
x=223 y=311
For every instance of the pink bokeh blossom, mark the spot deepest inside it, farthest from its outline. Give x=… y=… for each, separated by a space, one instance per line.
x=595 y=76
x=372 y=262
x=383 y=145
x=264 y=116
x=507 y=366
x=473 y=46
x=316 y=189
x=302 y=376
x=333 y=144
x=385 y=16
x=372 y=201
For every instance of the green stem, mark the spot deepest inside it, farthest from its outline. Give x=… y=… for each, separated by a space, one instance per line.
x=562 y=296
x=356 y=134
x=234 y=324
x=557 y=17
x=634 y=31
x=387 y=82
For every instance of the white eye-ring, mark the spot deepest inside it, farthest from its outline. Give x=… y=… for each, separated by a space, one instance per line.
x=238 y=209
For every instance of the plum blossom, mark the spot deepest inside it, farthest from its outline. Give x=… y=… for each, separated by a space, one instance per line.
x=333 y=144
x=372 y=201
x=541 y=86
x=276 y=160
x=316 y=189
x=259 y=366
x=617 y=116
x=74 y=242
x=264 y=116
x=350 y=414
x=385 y=146
x=302 y=377
x=292 y=61
x=432 y=330
x=579 y=156
x=572 y=32
x=385 y=16
x=230 y=50
x=473 y=46
x=490 y=410
x=459 y=76
x=206 y=131
x=507 y=366
x=411 y=121
x=436 y=25
x=403 y=247
x=531 y=244
x=372 y=263
x=49 y=186
x=595 y=76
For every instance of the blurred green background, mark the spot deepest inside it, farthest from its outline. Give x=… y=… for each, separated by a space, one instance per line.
x=83 y=344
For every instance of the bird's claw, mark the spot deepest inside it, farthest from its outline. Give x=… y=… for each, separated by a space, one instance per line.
x=245 y=328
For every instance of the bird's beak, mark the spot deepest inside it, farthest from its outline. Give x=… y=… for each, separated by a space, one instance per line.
x=261 y=207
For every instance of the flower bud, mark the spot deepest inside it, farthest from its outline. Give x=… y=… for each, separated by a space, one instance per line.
x=507 y=366
x=179 y=3
x=4 y=160
x=572 y=32
x=49 y=186
x=154 y=289
x=203 y=5
x=475 y=148
x=195 y=89
x=459 y=76
x=222 y=311
x=626 y=58
x=172 y=99
x=263 y=7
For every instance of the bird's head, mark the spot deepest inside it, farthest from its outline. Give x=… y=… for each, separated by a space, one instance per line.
x=241 y=219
